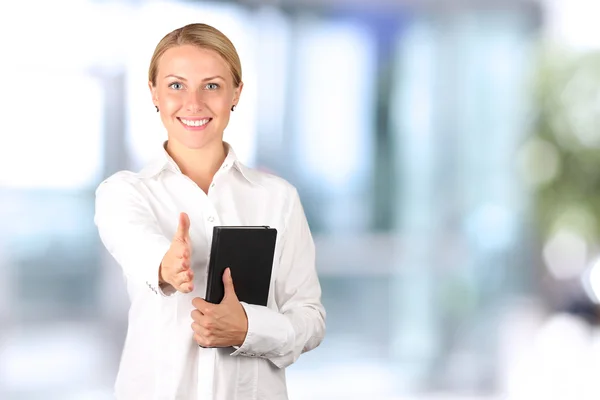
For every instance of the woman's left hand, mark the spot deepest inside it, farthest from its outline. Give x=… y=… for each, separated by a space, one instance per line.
x=220 y=325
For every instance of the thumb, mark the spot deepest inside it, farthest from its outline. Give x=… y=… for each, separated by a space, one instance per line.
x=228 y=283
x=183 y=229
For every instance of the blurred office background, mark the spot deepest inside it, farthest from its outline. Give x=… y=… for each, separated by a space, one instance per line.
x=447 y=153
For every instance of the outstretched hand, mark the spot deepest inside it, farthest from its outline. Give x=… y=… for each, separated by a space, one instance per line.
x=220 y=325
x=175 y=268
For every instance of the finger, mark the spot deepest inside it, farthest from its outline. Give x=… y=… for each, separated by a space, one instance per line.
x=184 y=281
x=202 y=341
x=183 y=229
x=196 y=327
x=228 y=283
x=184 y=266
x=186 y=287
x=186 y=276
x=206 y=333
x=197 y=317
x=200 y=329
x=182 y=250
x=199 y=339
x=183 y=254
x=202 y=305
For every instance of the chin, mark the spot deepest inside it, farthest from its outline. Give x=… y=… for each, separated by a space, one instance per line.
x=195 y=142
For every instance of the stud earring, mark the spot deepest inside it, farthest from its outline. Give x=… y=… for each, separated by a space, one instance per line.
x=233 y=107
x=156 y=108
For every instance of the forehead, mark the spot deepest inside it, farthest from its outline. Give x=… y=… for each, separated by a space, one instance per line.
x=192 y=61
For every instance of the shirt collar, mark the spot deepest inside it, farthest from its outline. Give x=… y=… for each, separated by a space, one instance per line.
x=163 y=161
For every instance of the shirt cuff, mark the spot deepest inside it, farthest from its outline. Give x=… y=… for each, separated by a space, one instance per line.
x=152 y=261
x=166 y=289
x=269 y=334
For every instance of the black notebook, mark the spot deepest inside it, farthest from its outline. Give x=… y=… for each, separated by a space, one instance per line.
x=248 y=251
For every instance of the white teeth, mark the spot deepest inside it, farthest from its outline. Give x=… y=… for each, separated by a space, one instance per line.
x=196 y=122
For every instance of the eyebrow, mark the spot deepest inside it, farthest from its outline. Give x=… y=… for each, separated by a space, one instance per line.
x=214 y=77
x=205 y=79
x=176 y=77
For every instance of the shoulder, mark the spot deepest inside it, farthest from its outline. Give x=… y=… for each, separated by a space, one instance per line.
x=127 y=178
x=121 y=186
x=120 y=178
x=132 y=180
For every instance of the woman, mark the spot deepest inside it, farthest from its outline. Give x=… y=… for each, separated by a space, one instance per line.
x=158 y=224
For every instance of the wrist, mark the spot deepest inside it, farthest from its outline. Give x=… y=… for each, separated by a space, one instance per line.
x=161 y=280
x=243 y=330
x=241 y=339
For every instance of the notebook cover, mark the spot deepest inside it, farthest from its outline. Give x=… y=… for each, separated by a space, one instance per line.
x=248 y=251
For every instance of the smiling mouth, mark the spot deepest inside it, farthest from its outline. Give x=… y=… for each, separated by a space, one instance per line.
x=194 y=123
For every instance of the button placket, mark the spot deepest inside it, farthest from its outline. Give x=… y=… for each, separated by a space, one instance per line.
x=214 y=181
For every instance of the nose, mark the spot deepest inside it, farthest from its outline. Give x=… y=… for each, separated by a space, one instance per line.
x=195 y=101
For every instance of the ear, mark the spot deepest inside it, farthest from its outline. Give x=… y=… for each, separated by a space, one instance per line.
x=237 y=92
x=153 y=93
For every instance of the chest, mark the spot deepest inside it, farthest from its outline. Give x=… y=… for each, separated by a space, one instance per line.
x=227 y=203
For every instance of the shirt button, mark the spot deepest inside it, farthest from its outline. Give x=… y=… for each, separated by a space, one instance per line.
x=211 y=219
x=225 y=166
x=212 y=185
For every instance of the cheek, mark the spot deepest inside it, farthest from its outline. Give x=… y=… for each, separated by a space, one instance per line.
x=222 y=104
x=171 y=101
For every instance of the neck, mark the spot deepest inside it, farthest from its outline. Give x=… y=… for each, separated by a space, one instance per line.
x=200 y=165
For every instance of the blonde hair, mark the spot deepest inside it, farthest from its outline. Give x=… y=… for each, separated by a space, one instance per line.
x=203 y=36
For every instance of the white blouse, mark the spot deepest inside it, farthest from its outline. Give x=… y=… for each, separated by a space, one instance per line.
x=137 y=216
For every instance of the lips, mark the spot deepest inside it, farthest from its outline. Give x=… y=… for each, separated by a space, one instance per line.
x=195 y=123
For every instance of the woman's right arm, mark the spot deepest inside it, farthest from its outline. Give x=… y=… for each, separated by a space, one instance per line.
x=130 y=232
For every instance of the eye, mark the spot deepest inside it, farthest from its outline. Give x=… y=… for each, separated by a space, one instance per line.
x=176 y=86
x=212 y=86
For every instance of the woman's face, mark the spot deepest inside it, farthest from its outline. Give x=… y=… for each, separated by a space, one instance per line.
x=194 y=92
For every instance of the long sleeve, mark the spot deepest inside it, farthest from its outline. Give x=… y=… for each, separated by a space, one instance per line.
x=130 y=231
x=299 y=326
